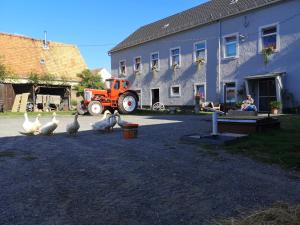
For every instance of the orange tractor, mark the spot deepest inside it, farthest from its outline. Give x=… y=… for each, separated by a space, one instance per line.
x=116 y=95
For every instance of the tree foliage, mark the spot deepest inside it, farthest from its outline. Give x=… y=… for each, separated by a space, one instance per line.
x=88 y=80
x=4 y=72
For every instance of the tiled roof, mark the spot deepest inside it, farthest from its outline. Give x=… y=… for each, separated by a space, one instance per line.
x=24 y=55
x=200 y=15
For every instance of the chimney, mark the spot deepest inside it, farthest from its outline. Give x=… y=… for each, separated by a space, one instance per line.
x=45 y=42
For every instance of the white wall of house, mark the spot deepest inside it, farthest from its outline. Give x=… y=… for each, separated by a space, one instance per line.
x=249 y=60
x=104 y=74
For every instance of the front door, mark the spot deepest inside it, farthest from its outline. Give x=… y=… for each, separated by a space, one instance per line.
x=200 y=91
x=139 y=93
x=155 y=96
x=267 y=93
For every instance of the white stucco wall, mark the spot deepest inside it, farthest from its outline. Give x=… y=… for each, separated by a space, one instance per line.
x=249 y=62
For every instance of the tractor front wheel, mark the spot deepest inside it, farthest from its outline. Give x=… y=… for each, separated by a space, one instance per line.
x=95 y=108
x=81 y=109
x=127 y=103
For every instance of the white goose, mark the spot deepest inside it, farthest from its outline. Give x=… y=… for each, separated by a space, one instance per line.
x=121 y=122
x=28 y=126
x=113 y=119
x=104 y=123
x=49 y=127
x=37 y=124
x=72 y=128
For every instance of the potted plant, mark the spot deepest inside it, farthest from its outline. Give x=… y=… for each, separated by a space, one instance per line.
x=137 y=72
x=275 y=106
x=267 y=52
x=175 y=66
x=238 y=105
x=200 y=61
x=154 y=68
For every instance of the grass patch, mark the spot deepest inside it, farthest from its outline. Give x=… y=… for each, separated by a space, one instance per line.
x=20 y=114
x=276 y=147
x=278 y=214
x=7 y=153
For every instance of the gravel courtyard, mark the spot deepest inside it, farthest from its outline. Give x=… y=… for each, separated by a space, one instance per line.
x=100 y=178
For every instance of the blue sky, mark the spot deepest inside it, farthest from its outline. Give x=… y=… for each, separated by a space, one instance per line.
x=94 y=25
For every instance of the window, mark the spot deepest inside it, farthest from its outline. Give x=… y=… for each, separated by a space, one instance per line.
x=122 y=68
x=200 y=51
x=117 y=85
x=231 y=46
x=138 y=64
x=175 y=91
x=125 y=84
x=175 y=57
x=230 y=92
x=269 y=37
x=154 y=61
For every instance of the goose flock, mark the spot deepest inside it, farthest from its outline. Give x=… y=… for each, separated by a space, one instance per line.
x=106 y=123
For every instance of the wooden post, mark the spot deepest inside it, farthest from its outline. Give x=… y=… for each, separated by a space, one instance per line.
x=33 y=98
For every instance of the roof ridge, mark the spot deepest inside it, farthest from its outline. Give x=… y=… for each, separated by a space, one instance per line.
x=35 y=39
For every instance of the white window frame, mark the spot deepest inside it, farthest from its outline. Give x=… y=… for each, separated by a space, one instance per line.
x=120 y=70
x=235 y=89
x=237 y=46
x=171 y=56
x=260 y=31
x=134 y=64
x=151 y=61
x=195 y=50
x=171 y=91
x=200 y=84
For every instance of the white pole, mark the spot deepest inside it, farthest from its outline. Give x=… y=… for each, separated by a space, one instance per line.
x=215 y=124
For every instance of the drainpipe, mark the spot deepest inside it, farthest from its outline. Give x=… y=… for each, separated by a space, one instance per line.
x=219 y=61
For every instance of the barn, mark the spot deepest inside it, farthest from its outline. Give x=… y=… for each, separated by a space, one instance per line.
x=37 y=74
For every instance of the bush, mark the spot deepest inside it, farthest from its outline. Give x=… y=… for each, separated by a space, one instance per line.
x=74 y=102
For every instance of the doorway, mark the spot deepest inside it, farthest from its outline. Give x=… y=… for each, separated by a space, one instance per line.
x=139 y=93
x=267 y=94
x=154 y=96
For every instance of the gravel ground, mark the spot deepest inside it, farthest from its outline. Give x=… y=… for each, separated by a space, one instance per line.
x=100 y=178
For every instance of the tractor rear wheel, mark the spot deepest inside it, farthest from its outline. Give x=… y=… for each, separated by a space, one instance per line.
x=95 y=108
x=127 y=103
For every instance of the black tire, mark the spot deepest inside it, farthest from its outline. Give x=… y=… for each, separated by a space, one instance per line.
x=81 y=109
x=127 y=103
x=95 y=108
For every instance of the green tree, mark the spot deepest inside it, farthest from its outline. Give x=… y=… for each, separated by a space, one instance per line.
x=34 y=78
x=3 y=72
x=88 y=80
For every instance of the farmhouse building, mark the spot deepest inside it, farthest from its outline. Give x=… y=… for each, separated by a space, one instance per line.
x=220 y=50
x=39 y=68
